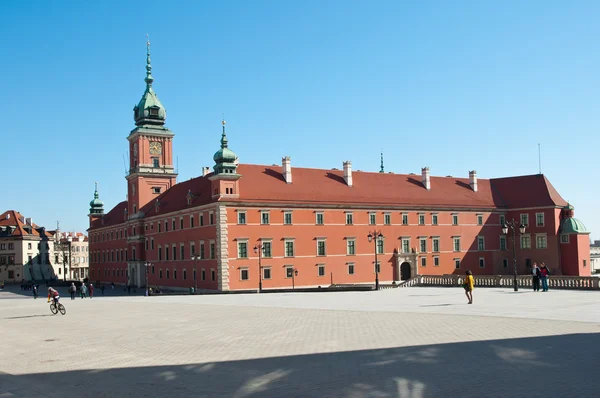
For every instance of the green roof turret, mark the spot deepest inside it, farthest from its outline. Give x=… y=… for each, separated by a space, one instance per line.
x=225 y=158
x=381 y=169
x=96 y=205
x=149 y=110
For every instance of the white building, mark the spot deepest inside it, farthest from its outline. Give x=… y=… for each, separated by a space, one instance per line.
x=595 y=257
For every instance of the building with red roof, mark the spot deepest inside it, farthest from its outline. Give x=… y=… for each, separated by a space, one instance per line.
x=244 y=226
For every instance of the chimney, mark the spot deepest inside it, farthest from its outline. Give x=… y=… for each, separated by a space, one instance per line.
x=205 y=171
x=473 y=180
x=348 y=172
x=286 y=163
x=425 y=178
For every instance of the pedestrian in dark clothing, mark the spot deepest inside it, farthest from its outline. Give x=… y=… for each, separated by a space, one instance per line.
x=35 y=292
x=102 y=289
x=535 y=275
x=91 y=290
x=72 y=291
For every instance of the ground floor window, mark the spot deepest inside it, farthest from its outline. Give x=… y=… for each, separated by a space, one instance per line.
x=321 y=270
x=244 y=274
x=267 y=273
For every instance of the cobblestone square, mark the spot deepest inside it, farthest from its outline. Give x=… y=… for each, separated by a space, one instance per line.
x=407 y=343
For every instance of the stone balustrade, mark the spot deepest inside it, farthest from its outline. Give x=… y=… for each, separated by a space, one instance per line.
x=506 y=281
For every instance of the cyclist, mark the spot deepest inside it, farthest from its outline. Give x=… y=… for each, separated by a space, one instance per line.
x=53 y=294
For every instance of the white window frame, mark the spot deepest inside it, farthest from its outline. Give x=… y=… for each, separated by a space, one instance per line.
x=421 y=217
x=285 y=253
x=262 y=219
x=402 y=241
x=351 y=215
x=245 y=215
x=435 y=219
x=319 y=267
x=456 y=239
x=289 y=267
x=528 y=236
x=563 y=240
x=372 y=218
x=480 y=219
x=482 y=240
x=265 y=268
x=455 y=215
x=263 y=241
x=545 y=236
x=435 y=239
x=348 y=240
x=387 y=218
x=436 y=261
x=324 y=240
x=290 y=213
x=423 y=261
x=405 y=217
x=524 y=216
x=537 y=224
x=421 y=241
x=348 y=268
x=317 y=214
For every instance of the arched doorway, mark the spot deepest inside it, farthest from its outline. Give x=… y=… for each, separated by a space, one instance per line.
x=405 y=271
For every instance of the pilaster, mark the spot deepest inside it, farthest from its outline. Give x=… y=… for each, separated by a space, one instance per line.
x=222 y=248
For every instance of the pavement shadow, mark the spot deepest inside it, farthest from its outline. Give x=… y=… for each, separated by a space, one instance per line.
x=553 y=366
x=28 y=316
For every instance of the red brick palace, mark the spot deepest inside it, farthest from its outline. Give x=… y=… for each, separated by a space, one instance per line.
x=244 y=225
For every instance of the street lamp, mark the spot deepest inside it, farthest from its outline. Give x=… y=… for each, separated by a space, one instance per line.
x=512 y=225
x=69 y=241
x=259 y=249
x=147 y=265
x=376 y=236
x=195 y=258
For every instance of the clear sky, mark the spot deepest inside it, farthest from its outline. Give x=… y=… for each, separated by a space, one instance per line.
x=453 y=85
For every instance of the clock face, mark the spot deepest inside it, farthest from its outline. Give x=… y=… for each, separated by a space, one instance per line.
x=155 y=148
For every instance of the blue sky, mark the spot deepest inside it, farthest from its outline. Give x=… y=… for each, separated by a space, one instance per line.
x=454 y=86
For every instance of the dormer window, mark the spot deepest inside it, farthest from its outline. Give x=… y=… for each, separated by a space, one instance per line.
x=156 y=190
x=153 y=111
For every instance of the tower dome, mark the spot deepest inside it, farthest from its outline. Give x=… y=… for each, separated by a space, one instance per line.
x=149 y=110
x=96 y=205
x=225 y=159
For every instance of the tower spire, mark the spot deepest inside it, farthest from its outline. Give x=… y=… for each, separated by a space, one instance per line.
x=224 y=140
x=149 y=79
x=381 y=169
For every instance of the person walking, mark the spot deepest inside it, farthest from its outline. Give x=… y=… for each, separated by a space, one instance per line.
x=544 y=274
x=72 y=291
x=469 y=285
x=91 y=290
x=102 y=289
x=35 y=291
x=83 y=290
x=535 y=275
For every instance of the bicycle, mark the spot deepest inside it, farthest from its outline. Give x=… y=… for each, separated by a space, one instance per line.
x=56 y=308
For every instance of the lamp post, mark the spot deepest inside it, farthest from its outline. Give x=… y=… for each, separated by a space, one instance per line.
x=147 y=265
x=65 y=263
x=512 y=225
x=294 y=274
x=259 y=249
x=376 y=236
x=195 y=258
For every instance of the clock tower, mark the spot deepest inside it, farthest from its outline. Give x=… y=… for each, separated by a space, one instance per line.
x=151 y=170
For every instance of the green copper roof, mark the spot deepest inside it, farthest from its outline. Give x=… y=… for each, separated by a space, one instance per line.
x=572 y=226
x=96 y=205
x=149 y=110
x=224 y=155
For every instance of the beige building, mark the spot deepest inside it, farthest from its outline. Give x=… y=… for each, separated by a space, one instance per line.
x=26 y=249
x=71 y=255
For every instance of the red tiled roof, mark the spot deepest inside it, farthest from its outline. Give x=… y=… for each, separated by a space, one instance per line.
x=265 y=184
x=114 y=217
x=12 y=218
x=528 y=191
